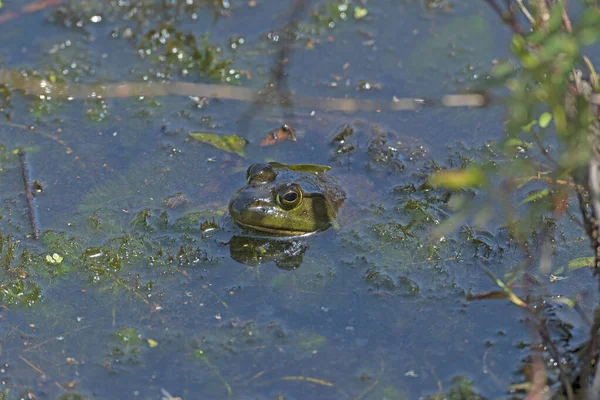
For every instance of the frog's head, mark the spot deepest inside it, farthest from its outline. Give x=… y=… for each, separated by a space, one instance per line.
x=282 y=201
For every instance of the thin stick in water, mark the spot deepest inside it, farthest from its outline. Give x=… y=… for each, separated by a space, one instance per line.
x=28 y=194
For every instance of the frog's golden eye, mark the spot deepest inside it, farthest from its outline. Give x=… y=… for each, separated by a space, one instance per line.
x=289 y=197
x=261 y=173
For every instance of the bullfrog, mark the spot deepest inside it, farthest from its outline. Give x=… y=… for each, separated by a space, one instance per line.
x=287 y=200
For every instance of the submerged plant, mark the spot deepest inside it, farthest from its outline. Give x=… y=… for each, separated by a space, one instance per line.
x=182 y=52
x=18 y=285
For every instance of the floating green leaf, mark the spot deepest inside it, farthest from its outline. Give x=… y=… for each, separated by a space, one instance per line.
x=581 y=262
x=229 y=143
x=315 y=168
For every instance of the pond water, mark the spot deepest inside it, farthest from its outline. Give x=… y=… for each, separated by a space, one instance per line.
x=131 y=290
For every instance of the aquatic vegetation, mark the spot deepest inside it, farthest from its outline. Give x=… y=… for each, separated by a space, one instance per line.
x=198 y=221
x=178 y=52
x=97 y=110
x=18 y=285
x=262 y=338
x=438 y=5
x=43 y=106
x=8 y=159
x=107 y=263
x=78 y=15
x=84 y=14
x=71 y=396
x=127 y=349
x=334 y=12
x=20 y=291
x=462 y=389
x=382 y=282
x=188 y=255
x=117 y=192
x=67 y=246
x=141 y=222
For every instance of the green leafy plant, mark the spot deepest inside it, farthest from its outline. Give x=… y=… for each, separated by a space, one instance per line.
x=549 y=102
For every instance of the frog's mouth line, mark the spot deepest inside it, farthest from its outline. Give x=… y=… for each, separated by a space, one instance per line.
x=280 y=232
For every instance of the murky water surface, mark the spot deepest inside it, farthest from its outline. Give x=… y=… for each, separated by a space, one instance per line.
x=131 y=291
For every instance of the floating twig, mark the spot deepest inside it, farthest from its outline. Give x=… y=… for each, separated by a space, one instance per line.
x=54 y=338
x=28 y=195
x=32 y=365
x=74 y=91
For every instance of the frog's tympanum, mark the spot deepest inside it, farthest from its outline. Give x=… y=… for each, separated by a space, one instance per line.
x=287 y=200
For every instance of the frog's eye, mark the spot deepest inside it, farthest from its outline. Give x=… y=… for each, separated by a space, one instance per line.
x=261 y=173
x=289 y=197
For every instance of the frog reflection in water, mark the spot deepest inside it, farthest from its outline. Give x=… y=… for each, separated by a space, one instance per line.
x=287 y=200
